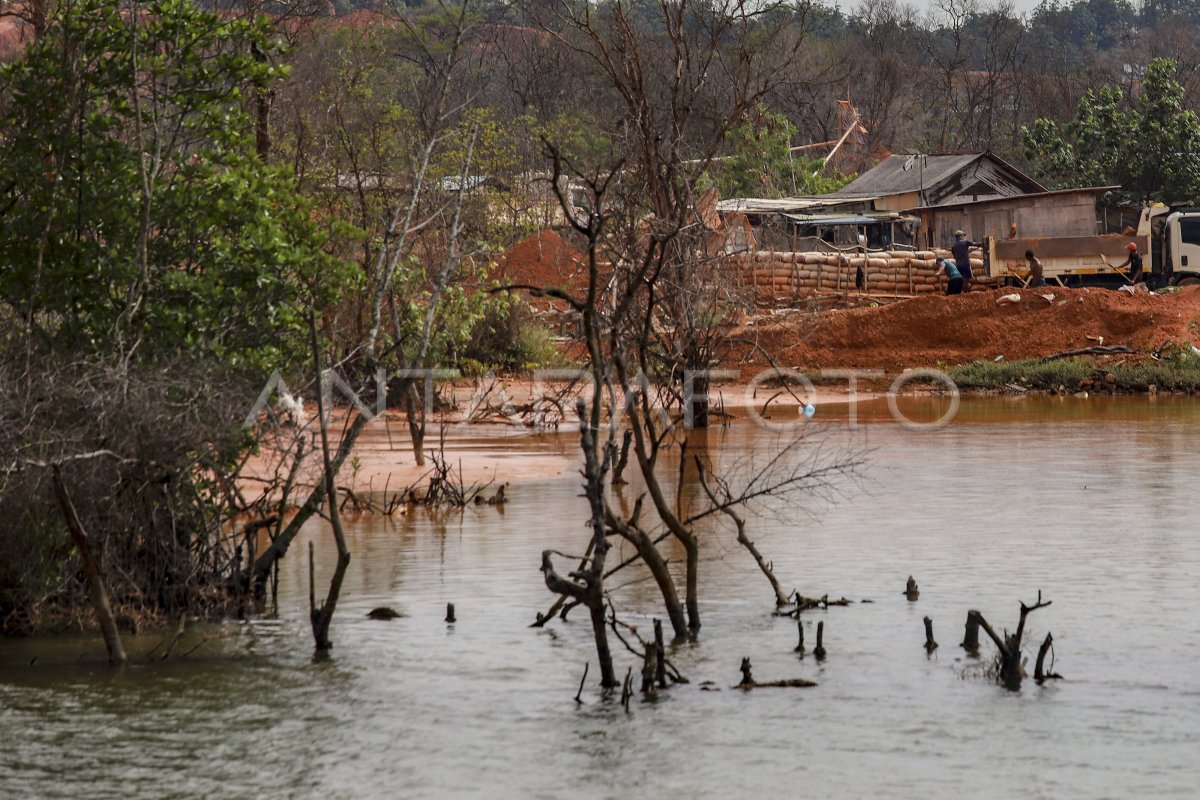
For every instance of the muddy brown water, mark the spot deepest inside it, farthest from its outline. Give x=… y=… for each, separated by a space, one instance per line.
x=1091 y=501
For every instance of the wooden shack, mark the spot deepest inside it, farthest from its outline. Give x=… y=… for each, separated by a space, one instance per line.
x=1069 y=212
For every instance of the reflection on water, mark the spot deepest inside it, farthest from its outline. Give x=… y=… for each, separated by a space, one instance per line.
x=1089 y=501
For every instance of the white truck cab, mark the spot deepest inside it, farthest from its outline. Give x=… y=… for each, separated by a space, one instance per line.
x=1174 y=245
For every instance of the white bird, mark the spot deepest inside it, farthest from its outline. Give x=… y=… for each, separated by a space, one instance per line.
x=293 y=406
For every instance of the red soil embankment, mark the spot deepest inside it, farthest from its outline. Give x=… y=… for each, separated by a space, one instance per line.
x=927 y=331
x=542 y=261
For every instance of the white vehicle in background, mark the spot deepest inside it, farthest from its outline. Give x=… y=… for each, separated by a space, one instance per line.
x=1168 y=240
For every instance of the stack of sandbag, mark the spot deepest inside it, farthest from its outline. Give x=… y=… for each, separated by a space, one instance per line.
x=781 y=274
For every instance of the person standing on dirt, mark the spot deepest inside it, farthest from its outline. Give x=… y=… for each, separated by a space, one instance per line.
x=961 y=249
x=1036 y=275
x=954 y=278
x=1134 y=262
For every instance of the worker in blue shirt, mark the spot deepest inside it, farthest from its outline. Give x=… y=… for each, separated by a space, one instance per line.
x=954 y=278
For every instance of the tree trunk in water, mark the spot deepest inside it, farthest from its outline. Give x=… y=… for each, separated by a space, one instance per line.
x=279 y=546
x=971 y=634
x=649 y=667
x=666 y=585
x=322 y=617
x=416 y=427
x=608 y=678
x=96 y=588
x=660 y=666
x=698 y=410
x=693 y=568
x=657 y=565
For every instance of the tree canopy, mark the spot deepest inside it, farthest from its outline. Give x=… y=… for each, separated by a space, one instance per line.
x=137 y=217
x=761 y=163
x=1147 y=144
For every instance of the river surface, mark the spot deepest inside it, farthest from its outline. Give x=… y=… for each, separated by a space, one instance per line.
x=1090 y=501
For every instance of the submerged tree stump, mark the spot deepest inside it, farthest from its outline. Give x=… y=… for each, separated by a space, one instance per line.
x=660 y=666
x=819 y=650
x=1039 y=673
x=930 y=644
x=649 y=668
x=970 y=641
x=748 y=681
x=1012 y=668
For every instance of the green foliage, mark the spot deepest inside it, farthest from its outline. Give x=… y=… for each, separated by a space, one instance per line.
x=761 y=163
x=1035 y=374
x=508 y=337
x=1178 y=370
x=811 y=177
x=1149 y=146
x=137 y=217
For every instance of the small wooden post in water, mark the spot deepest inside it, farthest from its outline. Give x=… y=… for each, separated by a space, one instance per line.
x=660 y=668
x=970 y=641
x=930 y=644
x=450 y=613
x=649 y=667
x=800 y=628
x=819 y=651
x=1039 y=671
x=747 y=678
x=581 y=682
x=910 y=589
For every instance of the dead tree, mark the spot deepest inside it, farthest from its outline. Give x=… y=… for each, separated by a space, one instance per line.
x=658 y=295
x=647 y=550
x=1039 y=672
x=322 y=616
x=91 y=570
x=781 y=598
x=586 y=585
x=1011 y=665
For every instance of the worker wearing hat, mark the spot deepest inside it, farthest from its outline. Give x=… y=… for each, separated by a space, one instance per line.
x=961 y=249
x=1133 y=262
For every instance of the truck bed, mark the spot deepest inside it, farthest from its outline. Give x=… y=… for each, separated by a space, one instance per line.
x=1061 y=256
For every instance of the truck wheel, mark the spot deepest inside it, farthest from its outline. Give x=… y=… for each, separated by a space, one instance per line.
x=1188 y=282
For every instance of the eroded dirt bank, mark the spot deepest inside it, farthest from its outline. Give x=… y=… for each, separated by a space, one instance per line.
x=939 y=330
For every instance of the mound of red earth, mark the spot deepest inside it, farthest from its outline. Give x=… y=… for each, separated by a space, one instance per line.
x=544 y=260
x=933 y=330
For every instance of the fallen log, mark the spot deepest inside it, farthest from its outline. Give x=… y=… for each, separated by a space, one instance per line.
x=748 y=681
x=1099 y=350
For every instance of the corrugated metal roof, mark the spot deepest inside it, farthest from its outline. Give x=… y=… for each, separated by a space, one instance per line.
x=847 y=219
x=782 y=205
x=889 y=176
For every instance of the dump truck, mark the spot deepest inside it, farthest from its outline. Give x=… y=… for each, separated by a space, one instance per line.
x=1168 y=239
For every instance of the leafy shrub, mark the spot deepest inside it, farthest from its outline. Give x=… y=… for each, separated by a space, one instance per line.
x=508 y=337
